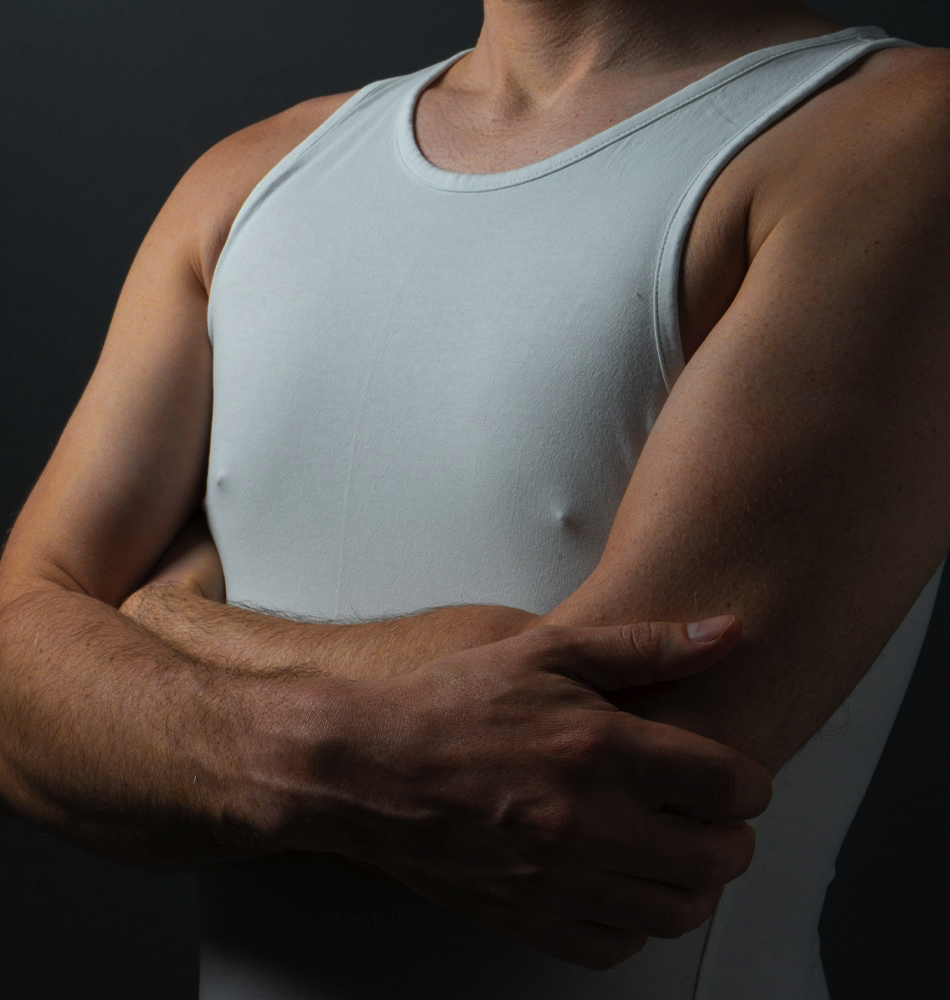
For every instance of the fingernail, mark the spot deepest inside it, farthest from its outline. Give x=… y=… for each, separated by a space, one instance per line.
x=709 y=629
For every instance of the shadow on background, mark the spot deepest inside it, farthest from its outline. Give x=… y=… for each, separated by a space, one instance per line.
x=74 y=927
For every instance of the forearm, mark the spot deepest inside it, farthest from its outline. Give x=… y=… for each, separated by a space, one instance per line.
x=114 y=739
x=260 y=643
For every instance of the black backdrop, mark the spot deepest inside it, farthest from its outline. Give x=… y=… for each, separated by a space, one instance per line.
x=105 y=104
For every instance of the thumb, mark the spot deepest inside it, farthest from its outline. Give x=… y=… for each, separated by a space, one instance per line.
x=616 y=657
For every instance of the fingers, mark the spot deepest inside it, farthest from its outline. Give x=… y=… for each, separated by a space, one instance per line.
x=665 y=764
x=684 y=851
x=618 y=657
x=641 y=906
x=574 y=825
x=672 y=766
x=583 y=942
x=620 y=915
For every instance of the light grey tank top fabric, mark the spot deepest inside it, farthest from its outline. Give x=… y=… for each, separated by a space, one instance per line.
x=432 y=388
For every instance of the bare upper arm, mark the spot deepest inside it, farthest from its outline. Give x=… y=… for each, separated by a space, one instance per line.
x=130 y=466
x=799 y=474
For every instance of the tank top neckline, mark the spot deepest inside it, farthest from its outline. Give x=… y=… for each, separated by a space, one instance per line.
x=448 y=180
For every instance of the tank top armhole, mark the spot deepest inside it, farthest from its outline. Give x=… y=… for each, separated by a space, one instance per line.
x=666 y=327
x=273 y=178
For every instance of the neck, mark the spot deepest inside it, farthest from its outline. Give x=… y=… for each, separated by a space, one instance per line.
x=532 y=53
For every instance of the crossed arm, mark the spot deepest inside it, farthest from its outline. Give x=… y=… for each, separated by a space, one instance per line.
x=797 y=477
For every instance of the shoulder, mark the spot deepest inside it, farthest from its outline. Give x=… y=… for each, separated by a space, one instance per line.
x=876 y=137
x=208 y=197
x=888 y=96
x=896 y=100
x=876 y=141
x=905 y=77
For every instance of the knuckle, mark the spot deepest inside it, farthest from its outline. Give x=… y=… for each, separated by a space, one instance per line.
x=716 y=869
x=545 y=830
x=728 y=853
x=692 y=910
x=674 y=924
x=589 y=746
x=581 y=748
x=721 y=777
x=557 y=824
x=646 y=638
x=677 y=921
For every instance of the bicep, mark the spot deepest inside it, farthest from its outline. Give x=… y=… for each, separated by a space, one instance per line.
x=129 y=467
x=798 y=475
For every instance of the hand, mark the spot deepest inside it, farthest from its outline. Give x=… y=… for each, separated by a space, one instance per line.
x=501 y=783
x=191 y=564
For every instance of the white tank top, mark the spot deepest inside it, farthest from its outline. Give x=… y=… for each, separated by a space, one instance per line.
x=431 y=388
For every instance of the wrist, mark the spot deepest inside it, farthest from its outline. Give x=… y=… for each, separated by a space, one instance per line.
x=283 y=765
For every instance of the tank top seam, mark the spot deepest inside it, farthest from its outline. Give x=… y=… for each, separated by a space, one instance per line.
x=668 y=341
x=446 y=180
x=266 y=183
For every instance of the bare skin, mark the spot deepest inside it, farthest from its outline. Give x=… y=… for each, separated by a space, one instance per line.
x=545 y=75
x=101 y=770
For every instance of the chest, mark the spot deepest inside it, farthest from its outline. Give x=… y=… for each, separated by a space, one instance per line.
x=460 y=384
x=714 y=258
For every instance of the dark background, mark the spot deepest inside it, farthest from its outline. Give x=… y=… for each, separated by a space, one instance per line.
x=105 y=104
